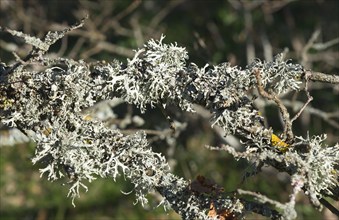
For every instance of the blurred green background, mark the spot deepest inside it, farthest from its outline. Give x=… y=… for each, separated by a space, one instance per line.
x=213 y=32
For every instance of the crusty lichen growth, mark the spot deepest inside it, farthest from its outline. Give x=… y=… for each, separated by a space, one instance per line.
x=47 y=106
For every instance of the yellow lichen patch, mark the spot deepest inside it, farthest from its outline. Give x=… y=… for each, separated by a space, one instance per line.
x=6 y=103
x=88 y=141
x=278 y=143
x=334 y=172
x=87 y=117
x=47 y=131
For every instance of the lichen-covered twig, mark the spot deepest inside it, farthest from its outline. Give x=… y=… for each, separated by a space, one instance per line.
x=40 y=46
x=309 y=98
x=322 y=77
x=47 y=106
x=288 y=133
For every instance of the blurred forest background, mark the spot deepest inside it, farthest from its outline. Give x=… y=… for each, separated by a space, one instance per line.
x=213 y=31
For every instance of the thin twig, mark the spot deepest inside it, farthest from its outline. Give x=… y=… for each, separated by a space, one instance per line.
x=267 y=46
x=164 y=132
x=326 y=116
x=324 y=46
x=309 y=99
x=164 y=12
x=127 y=10
x=322 y=77
x=261 y=198
x=328 y=205
x=309 y=45
x=288 y=133
x=250 y=49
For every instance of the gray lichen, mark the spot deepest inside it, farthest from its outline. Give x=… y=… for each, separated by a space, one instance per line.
x=47 y=105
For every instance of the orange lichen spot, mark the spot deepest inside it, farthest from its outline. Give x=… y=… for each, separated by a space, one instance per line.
x=223 y=214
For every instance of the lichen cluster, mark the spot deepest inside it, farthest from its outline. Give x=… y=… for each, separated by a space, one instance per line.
x=47 y=105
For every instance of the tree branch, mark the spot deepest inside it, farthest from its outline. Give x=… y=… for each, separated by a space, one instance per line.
x=322 y=77
x=288 y=133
